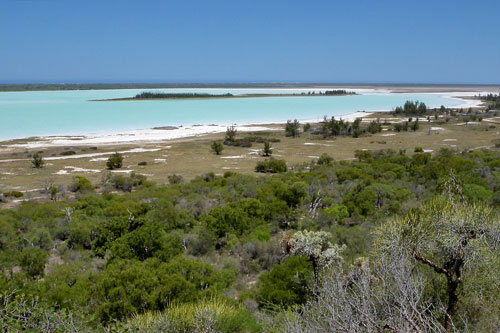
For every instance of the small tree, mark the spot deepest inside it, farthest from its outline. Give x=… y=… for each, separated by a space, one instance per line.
x=217 y=147
x=53 y=193
x=230 y=135
x=374 y=127
x=316 y=247
x=415 y=126
x=292 y=128
x=37 y=161
x=356 y=124
x=267 y=151
x=115 y=161
x=450 y=237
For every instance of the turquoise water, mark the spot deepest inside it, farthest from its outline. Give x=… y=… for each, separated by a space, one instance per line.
x=44 y=113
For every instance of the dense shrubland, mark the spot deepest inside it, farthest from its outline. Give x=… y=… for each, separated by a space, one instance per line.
x=388 y=241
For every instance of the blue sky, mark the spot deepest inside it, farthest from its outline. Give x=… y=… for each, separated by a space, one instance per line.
x=399 y=41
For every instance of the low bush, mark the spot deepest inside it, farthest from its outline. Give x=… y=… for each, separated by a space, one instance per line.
x=68 y=153
x=175 y=179
x=271 y=166
x=15 y=194
x=115 y=161
x=81 y=184
x=325 y=159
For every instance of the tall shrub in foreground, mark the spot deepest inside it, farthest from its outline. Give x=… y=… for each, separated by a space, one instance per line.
x=455 y=241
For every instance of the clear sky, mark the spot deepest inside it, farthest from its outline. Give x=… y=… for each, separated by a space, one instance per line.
x=363 y=41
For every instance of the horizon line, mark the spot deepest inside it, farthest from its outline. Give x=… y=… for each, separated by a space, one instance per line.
x=186 y=83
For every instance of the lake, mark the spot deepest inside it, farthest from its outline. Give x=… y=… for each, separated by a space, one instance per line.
x=47 y=113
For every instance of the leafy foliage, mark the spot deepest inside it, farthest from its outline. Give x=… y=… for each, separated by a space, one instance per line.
x=151 y=249
x=115 y=161
x=217 y=147
x=37 y=161
x=292 y=128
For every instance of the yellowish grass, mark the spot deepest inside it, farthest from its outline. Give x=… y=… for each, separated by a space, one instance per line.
x=191 y=157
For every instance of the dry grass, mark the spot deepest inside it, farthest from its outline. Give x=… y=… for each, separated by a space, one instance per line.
x=191 y=157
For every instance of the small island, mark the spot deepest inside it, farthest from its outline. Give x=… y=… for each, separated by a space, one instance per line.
x=175 y=96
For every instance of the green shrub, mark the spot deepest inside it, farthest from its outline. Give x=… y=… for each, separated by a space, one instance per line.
x=325 y=159
x=230 y=135
x=37 y=161
x=126 y=184
x=15 y=194
x=267 y=151
x=374 y=127
x=149 y=240
x=335 y=214
x=68 y=153
x=398 y=127
x=175 y=179
x=419 y=150
x=272 y=166
x=363 y=155
x=81 y=184
x=415 y=125
x=277 y=166
x=477 y=193
x=292 y=128
x=33 y=260
x=217 y=147
x=286 y=284
x=115 y=161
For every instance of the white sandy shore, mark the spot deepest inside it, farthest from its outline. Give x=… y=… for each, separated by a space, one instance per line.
x=158 y=135
x=138 y=136
x=149 y=135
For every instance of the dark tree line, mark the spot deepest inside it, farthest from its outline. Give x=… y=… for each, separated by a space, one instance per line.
x=153 y=95
x=333 y=127
x=412 y=108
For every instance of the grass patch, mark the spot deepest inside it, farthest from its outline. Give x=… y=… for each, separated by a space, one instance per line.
x=207 y=315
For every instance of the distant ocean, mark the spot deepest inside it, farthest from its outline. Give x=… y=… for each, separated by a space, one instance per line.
x=48 y=113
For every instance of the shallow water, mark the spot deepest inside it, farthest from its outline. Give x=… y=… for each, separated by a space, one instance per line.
x=44 y=113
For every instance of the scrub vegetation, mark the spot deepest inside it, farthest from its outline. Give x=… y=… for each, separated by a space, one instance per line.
x=385 y=242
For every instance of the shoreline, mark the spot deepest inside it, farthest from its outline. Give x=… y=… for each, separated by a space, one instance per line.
x=153 y=135
x=172 y=132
